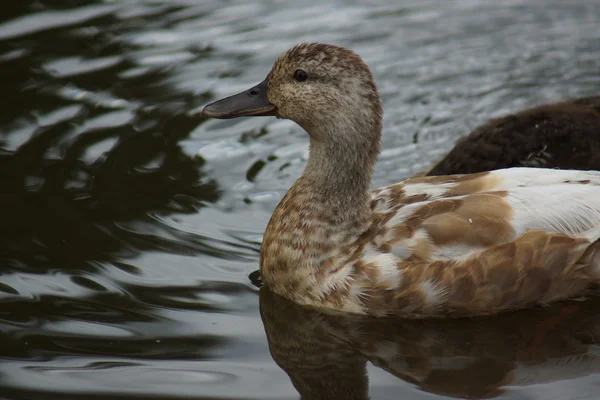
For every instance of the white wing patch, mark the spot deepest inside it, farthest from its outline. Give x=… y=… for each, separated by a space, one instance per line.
x=536 y=177
x=404 y=248
x=456 y=252
x=570 y=209
x=386 y=264
x=435 y=294
x=389 y=272
x=433 y=191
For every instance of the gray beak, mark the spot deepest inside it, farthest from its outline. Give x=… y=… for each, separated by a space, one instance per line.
x=251 y=102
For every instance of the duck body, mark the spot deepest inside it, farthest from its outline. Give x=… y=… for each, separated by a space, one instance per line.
x=457 y=245
x=563 y=135
x=441 y=246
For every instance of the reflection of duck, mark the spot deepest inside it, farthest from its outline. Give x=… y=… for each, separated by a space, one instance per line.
x=325 y=355
x=437 y=246
x=563 y=135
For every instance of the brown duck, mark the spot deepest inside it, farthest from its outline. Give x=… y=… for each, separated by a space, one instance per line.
x=425 y=247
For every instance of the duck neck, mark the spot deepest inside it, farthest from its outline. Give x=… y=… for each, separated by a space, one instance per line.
x=327 y=208
x=339 y=170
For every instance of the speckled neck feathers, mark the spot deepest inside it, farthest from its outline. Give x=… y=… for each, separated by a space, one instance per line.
x=340 y=166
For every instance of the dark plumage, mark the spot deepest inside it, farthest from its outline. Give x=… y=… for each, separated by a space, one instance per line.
x=563 y=135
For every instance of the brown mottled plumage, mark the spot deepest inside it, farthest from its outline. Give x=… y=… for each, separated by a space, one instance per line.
x=426 y=247
x=563 y=135
x=326 y=355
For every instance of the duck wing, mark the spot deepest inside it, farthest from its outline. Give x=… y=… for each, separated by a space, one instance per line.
x=481 y=243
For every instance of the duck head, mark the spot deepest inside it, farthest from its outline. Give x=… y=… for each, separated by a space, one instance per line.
x=327 y=90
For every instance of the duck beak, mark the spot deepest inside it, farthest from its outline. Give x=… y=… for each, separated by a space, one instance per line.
x=251 y=102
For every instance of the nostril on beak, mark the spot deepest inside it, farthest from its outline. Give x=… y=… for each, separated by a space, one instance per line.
x=253 y=92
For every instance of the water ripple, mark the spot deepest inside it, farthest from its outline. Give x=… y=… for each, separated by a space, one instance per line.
x=131 y=224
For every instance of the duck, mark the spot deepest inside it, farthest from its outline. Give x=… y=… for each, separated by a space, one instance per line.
x=460 y=245
x=561 y=135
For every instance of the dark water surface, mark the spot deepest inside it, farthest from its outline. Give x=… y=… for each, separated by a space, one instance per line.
x=130 y=225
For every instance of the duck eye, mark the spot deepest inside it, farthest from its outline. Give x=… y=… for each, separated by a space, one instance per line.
x=300 y=75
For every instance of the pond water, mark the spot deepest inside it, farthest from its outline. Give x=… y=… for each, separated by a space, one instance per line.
x=131 y=225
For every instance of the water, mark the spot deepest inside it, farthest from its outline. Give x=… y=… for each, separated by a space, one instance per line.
x=131 y=225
